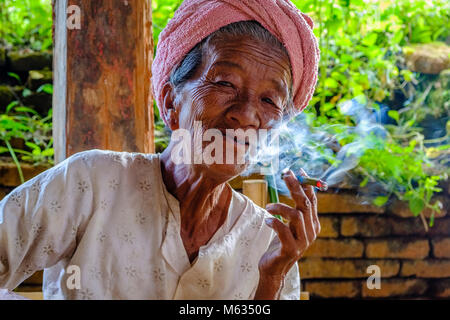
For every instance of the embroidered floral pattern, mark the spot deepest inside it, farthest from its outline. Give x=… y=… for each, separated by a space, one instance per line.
x=36 y=187
x=103 y=204
x=145 y=185
x=255 y=224
x=158 y=274
x=238 y=296
x=28 y=270
x=140 y=218
x=36 y=229
x=95 y=273
x=128 y=237
x=203 y=283
x=131 y=271
x=16 y=198
x=244 y=241
x=19 y=241
x=101 y=237
x=113 y=184
x=55 y=206
x=82 y=186
x=48 y=249
x=86 y=294
x=246 y=267
x=218 y=265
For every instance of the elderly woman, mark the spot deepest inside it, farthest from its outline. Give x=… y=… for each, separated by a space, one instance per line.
x=118 y=225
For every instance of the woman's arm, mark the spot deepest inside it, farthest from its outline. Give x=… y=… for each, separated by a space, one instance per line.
x=40 y=219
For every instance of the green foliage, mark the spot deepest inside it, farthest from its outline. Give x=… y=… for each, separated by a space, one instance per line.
x=362 y=43
x=26 y=23
x=24 y=123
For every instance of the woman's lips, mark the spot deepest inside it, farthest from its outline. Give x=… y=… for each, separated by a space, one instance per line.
x=235 y=139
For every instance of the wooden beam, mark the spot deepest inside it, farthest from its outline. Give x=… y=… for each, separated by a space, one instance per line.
x=102 y=95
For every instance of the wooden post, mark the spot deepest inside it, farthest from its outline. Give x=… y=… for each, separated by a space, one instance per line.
x=256 y=190
x=102 y=94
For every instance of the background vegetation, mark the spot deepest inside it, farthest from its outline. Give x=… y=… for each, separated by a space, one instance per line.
x=363 y=48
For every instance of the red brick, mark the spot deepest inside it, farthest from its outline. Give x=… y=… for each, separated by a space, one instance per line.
x=10 y=176
x=333 y=289
x=343 y=203
x=426 y=268
x=346 y=248
x=315 y=268
x=338 y=203
x=396 y=288
x=401 y=209
x=329 y=227
x=441 y=247
x=397 y=248
x=414 y=227
x=361 y=226
x=441 y=288
x=441 y=227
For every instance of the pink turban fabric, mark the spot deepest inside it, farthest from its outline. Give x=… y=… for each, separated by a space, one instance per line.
x=196 y=19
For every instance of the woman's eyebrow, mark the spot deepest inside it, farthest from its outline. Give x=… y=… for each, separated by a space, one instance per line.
x=278 y=87
x=228 y=64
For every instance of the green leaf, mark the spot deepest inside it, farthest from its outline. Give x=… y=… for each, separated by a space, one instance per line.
x=48 y=152
x=331 y=83
x=47 y=88
x=416 y=205
x=380 y=200
x=11 y=105
x=364 y=182
x=370 y=39
x=15 y=76
x=26 y=109
x=26 y=92
x=393 y=114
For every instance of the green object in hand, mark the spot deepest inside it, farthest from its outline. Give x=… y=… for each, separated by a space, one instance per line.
x=273 y=192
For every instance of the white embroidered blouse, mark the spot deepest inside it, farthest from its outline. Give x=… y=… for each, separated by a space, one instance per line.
x=110 y=215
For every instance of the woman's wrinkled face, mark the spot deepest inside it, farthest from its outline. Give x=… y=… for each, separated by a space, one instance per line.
x=241 y=84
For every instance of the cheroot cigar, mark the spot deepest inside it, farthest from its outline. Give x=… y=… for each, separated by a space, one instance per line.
x=319 y=184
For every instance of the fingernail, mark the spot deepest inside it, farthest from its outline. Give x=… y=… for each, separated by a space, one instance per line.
x=268 y=221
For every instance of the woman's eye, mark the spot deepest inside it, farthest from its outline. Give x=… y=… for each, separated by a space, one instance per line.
x=268 y=100
x=225 y=83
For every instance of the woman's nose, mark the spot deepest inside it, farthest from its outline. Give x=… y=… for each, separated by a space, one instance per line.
x=244 y=116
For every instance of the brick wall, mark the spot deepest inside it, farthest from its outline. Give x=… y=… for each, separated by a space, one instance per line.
x=413 y=263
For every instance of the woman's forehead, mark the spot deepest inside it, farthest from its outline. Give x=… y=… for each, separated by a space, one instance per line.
x=246 y=56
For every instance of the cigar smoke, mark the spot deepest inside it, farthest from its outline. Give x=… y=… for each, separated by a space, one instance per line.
x=317 y=150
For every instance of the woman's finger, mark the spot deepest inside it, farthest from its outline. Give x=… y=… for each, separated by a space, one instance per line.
x=293 y=216
x=290 y=249
x=286 y=237
x=309 y=191
x=302 y=203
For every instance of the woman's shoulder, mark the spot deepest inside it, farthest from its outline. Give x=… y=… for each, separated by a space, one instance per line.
x=248 y=205
x=105 y=158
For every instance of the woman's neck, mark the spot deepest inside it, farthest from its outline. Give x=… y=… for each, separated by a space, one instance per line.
x=203 y=201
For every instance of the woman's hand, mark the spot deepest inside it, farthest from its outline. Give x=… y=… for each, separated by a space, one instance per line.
x=301 y=230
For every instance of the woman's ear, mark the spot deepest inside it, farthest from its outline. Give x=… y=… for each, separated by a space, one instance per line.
x=168 y=111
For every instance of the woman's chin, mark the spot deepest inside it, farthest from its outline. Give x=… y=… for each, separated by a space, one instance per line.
x=225 y=171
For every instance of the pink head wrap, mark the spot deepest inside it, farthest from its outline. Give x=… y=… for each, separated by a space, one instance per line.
x=196 y=19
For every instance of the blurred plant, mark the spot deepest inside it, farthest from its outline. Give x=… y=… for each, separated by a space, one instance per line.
x=26 y=23
x=21 y=122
